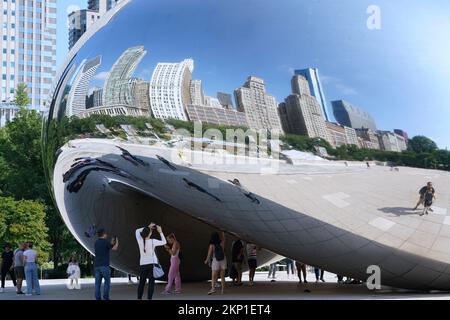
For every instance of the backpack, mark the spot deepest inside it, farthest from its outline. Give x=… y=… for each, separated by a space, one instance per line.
x=218 y=252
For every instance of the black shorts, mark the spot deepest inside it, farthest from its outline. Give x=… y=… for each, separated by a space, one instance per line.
x=252 y=263
x=19 y=272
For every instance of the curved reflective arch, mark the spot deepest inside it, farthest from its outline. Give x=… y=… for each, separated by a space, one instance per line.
x=111 y=164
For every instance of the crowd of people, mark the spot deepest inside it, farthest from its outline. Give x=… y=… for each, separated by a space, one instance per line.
x=21 y=264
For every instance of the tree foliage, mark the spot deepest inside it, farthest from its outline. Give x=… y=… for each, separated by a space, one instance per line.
x=21 y=97
x=24 y=221
x=421 y=144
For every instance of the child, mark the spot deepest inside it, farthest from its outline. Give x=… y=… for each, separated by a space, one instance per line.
x=428 y=200
x=74 y=273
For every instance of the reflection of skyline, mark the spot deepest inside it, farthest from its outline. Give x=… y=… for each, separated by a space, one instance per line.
x=77 y=96
x=117 y=90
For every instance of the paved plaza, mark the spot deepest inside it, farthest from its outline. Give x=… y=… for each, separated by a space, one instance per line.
x=283 y=289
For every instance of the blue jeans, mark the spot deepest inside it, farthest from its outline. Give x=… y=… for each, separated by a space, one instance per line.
x=31 y=277
x=102 y=273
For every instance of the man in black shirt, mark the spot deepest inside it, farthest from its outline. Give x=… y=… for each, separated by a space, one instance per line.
x=102 y=248
x=422 y=192
x=7 y=266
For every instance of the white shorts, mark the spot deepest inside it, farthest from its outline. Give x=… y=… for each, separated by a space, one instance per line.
x=218 y=265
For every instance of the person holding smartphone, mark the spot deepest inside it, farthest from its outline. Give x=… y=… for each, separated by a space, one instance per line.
x=147 y=243
x=102 y=249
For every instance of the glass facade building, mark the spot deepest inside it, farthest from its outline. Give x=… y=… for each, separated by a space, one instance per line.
x=349 y=115
x=28 y=49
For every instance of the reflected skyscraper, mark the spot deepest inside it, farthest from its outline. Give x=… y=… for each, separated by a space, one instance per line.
x=81 y=20
x=170 y=89
x=351 y=116
x=315 y=88
x=117 y=90
x=260 y=107
x=197 y=93
x=302 y=113
x=76 y=101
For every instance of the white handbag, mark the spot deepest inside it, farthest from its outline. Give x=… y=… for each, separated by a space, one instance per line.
x=158 y=271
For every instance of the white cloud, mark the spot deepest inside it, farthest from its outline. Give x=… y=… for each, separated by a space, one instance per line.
x=101 y=76
x=339 y=85
x=287 y=69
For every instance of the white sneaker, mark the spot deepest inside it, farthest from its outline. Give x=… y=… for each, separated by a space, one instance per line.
x=28 y=294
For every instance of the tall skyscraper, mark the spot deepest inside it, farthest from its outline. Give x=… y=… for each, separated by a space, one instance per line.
x=260 y=107
x=197 y=93
x=81 y=20
x=29 y=49
x=351 y=116
x=302 y=113
x=170 y=89
x=117 y=90
x=76 y=101
x=315 y=87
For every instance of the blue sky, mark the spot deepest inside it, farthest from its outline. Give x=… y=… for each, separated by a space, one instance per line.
x=400 y=74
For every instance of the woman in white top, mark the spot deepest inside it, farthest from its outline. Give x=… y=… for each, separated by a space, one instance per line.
x=74 y=273
x=147 y=243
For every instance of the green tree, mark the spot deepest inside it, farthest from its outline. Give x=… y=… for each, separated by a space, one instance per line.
x=22 y=98
x=24 y=220
x=421 y=144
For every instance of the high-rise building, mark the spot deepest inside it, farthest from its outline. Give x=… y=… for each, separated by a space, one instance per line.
x=226 y=100
x=170 y=89
x=259 y=107
x=81 y=20
x=302 y=113
x=29 y=49
x=76 y=101
x=315 y=87
x=390 y=141
x=212 y=102
x=197 y=93
x=117 y=90
x=369 y=139
x=141 y=95
x=351 y=116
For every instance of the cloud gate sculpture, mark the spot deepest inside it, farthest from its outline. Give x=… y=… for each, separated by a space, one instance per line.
x=111 y=163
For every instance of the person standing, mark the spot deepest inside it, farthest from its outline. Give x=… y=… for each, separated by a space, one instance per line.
x=252 y=255
x=19 y=269
x=7 y=266
x=422 y=192
x=173 y=248
x=272 y=271
x=31 y=271
x=147 y=243
x=74 y=273
x=428 y=198
x=301 y=268
x=237 y=258
x=216 y=257
x=102 y=248
x=319 y=274
x=289 y=267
